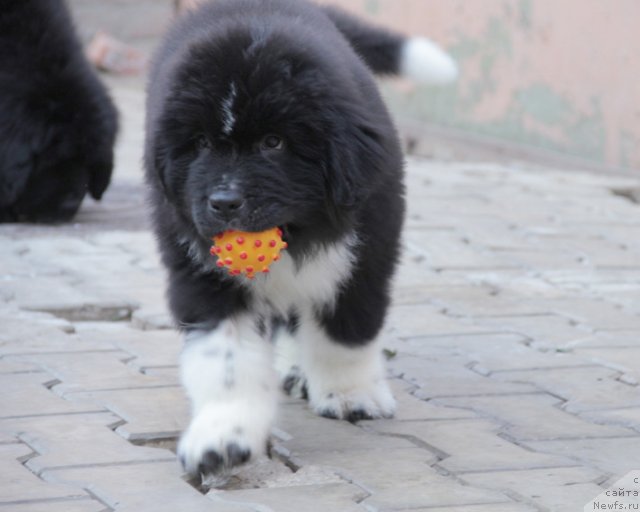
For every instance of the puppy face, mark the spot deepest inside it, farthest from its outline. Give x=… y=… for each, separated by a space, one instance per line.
x=261 y=134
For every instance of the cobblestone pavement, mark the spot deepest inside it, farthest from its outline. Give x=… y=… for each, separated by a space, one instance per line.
x=514 y=347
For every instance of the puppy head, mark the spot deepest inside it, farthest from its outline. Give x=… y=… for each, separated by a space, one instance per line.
x=262 y=130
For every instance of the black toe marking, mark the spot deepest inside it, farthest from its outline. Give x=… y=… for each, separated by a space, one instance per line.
x=359 y=414
x=211 y=463
x=329 y=413
x=304 y=392
x=237 y=455
x=261 y=326
x=293 y=322
x=289 y=383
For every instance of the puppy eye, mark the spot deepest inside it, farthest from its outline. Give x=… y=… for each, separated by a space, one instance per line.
x=202 y=142
x=271 y=143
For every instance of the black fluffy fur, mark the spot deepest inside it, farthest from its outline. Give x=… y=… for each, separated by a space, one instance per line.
x=295 y=75
x=379 y=48
x=57 y=123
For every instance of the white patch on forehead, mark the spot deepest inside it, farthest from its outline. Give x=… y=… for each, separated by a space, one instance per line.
x=228 y=119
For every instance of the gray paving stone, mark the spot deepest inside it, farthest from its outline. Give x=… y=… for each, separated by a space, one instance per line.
x=459 y=441
x=150 y=348
x=491 y=507
x=79 y=286
x=414 y=320
x=19 y=484
x=85 y=371
x=585 y=388
x=16 y=367
x=445 y=250
x=77 y=440
x=31 y=333
x=478 y=300
x=623 y=359
x=26 y=394
x=592 y=279
x=607 y=254
x=7 y=438
x=109 y=311
x=329 y=436
x=627 y=418
x=626 y=299
x=28 y=332
x=34 y=292
x=443 y=377
x=75 y=505
x=152 y=318
x=542 y=258
x=154 y=486
x=400 y=477
x=414 y=279
x=409 y=408
x=497 y=234
x=75 y=256
x=617 y=456
x=150 y=413
x=596 y=314
x=492 y=352
x=608 y=339
x=553 y=489
x=266 y=473
x=545 y=331
x=520 y=417
x=312 y=498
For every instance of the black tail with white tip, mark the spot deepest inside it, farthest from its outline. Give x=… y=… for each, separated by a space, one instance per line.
x=390 y=53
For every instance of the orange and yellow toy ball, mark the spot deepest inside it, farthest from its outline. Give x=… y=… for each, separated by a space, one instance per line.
x=248 y=254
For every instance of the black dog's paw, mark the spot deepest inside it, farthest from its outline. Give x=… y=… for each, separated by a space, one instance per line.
x=222 y=437
x=213 y=462
x=365 y=402
x=294 y=384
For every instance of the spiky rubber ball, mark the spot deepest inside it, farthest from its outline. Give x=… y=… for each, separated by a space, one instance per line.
x=248 y=254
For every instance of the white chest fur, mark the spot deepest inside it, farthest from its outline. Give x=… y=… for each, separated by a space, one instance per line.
x=316 y=280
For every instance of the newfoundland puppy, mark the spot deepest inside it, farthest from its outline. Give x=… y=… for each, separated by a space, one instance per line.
x=262 y=114
x=57 y=123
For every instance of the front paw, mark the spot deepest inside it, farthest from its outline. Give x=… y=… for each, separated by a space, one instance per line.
x=365 y=401
x=222 y=436
x=294 y=383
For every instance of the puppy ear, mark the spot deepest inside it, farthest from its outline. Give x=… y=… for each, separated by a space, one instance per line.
x=19 y=152
x=17 y=166
x=356 y=159
x=101 y=162
x=159 y=160
x=100 y=177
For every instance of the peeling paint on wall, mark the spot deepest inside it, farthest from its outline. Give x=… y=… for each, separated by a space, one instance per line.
x=371 y=6
x=525 y=12
x=555 y=75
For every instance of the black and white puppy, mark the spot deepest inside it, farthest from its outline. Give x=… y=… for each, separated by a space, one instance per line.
x=265 y=113
x=57 y=123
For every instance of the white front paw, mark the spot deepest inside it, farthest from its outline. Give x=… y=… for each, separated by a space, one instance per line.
x=363 y=401
x=224 y=435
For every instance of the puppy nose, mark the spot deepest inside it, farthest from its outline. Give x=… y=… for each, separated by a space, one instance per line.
x=226 y=202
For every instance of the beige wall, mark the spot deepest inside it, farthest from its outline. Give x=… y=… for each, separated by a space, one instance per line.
x=559 y=75
x=555 y=74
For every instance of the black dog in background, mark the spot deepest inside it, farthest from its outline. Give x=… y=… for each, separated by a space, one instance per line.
x=57 y=122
